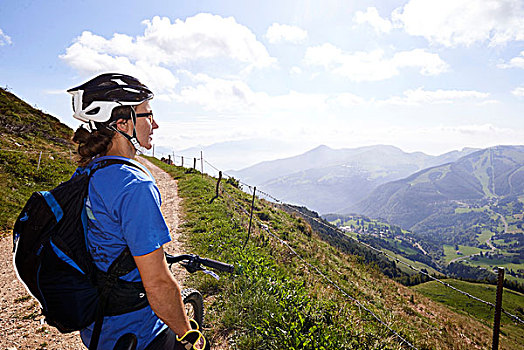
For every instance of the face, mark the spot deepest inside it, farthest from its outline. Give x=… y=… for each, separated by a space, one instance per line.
x=145 y=125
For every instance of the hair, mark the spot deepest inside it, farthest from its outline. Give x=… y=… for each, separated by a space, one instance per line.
x=97 y=143
x=92 y=144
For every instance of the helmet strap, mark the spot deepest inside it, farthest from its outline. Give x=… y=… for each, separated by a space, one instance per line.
x=91 y=126
x=131 y=138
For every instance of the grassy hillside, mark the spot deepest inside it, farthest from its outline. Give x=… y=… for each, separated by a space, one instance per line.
x=24 y=133
x=275 y=300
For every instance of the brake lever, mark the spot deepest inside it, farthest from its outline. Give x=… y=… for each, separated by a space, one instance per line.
x=210 y=273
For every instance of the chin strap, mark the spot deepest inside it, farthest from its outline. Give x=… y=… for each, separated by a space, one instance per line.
x=132 y=139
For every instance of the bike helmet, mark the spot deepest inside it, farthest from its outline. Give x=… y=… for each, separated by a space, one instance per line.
x=94 y=100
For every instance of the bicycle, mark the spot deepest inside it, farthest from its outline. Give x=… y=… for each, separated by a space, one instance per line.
x=192 y=298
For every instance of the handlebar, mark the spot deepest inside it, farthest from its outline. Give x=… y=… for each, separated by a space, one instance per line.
x=192 y=263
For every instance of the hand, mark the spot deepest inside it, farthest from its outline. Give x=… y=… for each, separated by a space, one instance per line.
x=194 y=339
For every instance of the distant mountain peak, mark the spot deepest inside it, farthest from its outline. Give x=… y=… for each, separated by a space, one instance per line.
x=320 y=148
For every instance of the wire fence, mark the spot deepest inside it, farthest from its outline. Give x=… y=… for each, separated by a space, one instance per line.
x=317 y=270
x=376 y=250
x=34 y=151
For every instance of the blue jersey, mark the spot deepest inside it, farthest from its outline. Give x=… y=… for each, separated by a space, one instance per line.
x=123 y=209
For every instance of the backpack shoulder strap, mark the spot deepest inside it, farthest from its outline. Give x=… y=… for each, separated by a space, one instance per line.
x=122 y=265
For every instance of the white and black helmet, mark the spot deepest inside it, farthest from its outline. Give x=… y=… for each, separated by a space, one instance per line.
x=96 y=99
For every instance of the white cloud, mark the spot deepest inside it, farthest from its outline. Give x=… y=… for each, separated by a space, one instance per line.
x=205 y=36
x=89 y=61
x=373 y=66
x=421 y=96
x=519 y=91
x=277 y=33
x=295 y=70
x=4 y=38
x=346 y=100
x=220 y=95
x=462 y=22
x=515 y=62
x=164 y=45
x=235 y=97
x=372 y=17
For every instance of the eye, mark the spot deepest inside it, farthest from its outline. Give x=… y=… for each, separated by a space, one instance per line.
x=148 y=115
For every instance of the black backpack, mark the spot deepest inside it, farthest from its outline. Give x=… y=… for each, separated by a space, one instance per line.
x=52 y=260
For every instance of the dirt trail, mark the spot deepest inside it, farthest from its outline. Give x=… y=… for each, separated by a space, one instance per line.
x=20 y=318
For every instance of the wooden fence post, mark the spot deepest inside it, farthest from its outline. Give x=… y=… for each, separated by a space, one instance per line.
x=202 y=163
x=182 y=161
x=194 y=163
x=251 y=215
x=498 y=308
x=39 y=159
x=218 y=187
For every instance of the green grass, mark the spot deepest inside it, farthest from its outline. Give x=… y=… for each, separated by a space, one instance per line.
x=463 y=210
x=513 y=302
x=487 y=263
x=450 y=252
x=20 y=176
x=484 y=236
x=416 y=264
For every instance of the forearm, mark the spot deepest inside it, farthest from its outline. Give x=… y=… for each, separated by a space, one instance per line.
x=166 y=301
x=163 y=292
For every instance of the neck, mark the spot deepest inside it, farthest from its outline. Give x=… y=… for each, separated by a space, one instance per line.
x=120 y=146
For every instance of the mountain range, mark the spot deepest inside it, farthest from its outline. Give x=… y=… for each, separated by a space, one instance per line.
x=459 y=195
x=331 y=180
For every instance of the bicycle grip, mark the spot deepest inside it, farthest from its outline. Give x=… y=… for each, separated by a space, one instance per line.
x=217 y=265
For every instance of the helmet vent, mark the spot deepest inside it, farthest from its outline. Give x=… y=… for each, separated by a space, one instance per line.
x=94 y=111
x=118 y=81
x=131 y=90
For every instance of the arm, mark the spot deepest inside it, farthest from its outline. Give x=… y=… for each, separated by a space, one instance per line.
x=163 y=291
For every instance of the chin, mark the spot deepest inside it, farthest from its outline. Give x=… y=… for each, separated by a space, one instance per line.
x=147 y=146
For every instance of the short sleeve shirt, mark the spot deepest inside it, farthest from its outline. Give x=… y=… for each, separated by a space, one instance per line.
x=123 y=209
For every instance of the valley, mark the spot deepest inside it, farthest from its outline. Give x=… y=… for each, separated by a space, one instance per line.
x=493 y=247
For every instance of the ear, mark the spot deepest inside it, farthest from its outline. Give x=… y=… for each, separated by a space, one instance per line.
x=123 y=125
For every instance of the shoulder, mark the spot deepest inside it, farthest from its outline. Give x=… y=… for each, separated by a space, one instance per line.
x=115 y=179
x=113 y=168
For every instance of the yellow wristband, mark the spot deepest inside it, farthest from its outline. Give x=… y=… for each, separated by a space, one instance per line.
x=200 y=339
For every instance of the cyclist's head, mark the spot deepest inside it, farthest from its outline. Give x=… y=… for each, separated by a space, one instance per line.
x=102 y=102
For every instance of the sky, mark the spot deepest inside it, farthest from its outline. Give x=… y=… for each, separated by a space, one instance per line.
x=248 y=81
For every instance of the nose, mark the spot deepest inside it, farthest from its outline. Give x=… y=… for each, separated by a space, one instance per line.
x=154 y=125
